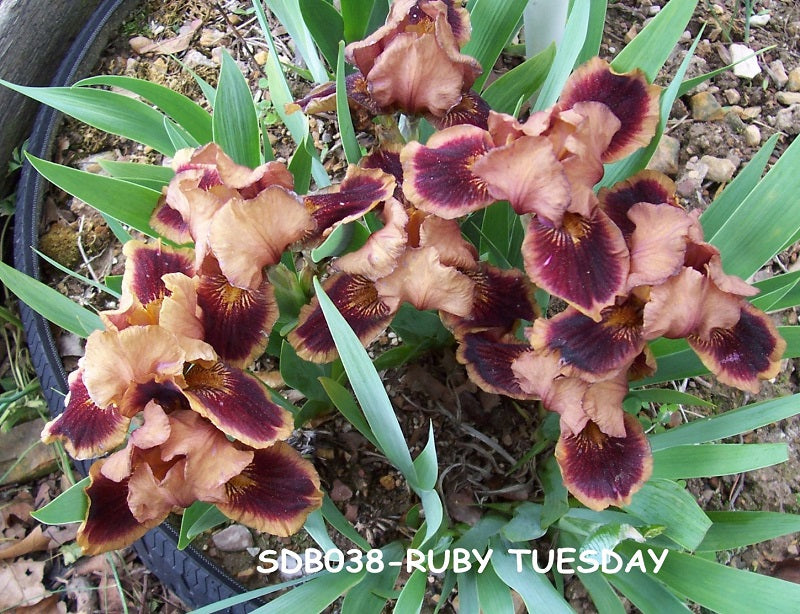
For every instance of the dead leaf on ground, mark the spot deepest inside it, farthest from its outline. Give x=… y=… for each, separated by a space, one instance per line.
x=21 y=583
x=50 y=605
x=176 y=44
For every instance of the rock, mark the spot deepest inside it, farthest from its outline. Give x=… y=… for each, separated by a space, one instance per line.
x=23 y=456
x=793 y=84
x=194 y=58
x=665 y=158
x=211 y=37
x=720 y=170
x=752 y=136
x=735 y=122
x=777 y=73
x=692 y=180
x=788 y=98
x=234 y=538
x=340 y=491
x=749 y=68
x=788 y=120
x=706 y=107
x=261 y=57
x=760 y=20
x=732 y=96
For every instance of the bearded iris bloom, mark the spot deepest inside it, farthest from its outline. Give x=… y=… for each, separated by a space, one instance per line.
x=171 y=363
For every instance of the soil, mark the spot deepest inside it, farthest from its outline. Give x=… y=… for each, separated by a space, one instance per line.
x=479 y=436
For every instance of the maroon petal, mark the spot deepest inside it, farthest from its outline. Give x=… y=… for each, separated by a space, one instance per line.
x=594 y=349
x=357 y=300
x=360 y=191
x=644 y=187
x=600 y=470
x=745 y=354
x=146 y=264
x=471 y=110
x=109 y=523
x=500 y=300
x=236 y=321
x=629 y=96
x=527 y=174
x=489 y=363
x=438 y=177
x=85 y=429
x=275 y=493
x=585 y=261
x=236 y=403
x=169 y=223
x=359 y=92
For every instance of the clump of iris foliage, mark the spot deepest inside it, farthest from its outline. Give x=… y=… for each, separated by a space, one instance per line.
x=467 y=217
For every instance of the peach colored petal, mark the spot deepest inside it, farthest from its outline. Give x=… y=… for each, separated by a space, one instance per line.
x=211 y=460
x=116 y=360
x=378 y=257
x=422 y=280
x=528 y=175
x=155 y=430
x=246 y=236
x=688 y=304
x=602 y=403
x=445 y=236
x=657 y=244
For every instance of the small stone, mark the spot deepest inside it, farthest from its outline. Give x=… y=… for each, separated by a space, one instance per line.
x=751 y=112
x=793 y=84
x=665 y=158
x=195 y=58
x=234 y=538
x=720 y=170
x=261 y=57
x=788 y=120
x=777 y=73
x=210 y=37
x=760 y=20
x=340 y=491
x=387 y=482
x=752 y=136
x=793 y=549
x=747 y=69
x=631 y=34
x=735 y=122
x=732 y=96
x=706 y=107
x=788 y=98
x=692 y=180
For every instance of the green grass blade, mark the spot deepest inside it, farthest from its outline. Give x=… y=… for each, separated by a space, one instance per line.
x=732 y=530
x=313 y=596
x=646 y=593
x=723 y=589
x=288 y=13
x=493 y=594
x=225 y=604
x=369 y=595
x=78 y=276
x=127 y=202
x=335 y=518
x=594 y=32
x=709 y=460
x=179 y=137
x=235 y=121
x=765 y=221
x=198 y=518
x=412 y=595
x=729 y=424
x=534 y=588
x=325 y=25
x=493 y=23
x=521 y=82
x=355 y=16
x=663 y=502
x=347 y=133
x=187 y=113
x=737 y=191
x=566 y=55
x=133 y=171
x=68 y=507
x=653 y=45
x=347 y=405
x=779 y=292
x=663 y=395
x=380 y=11
x=281 y=95
x=51 y=304
x=368 y=388
x=107 y=111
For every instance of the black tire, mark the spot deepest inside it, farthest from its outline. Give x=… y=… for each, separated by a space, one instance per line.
x=192 y=577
